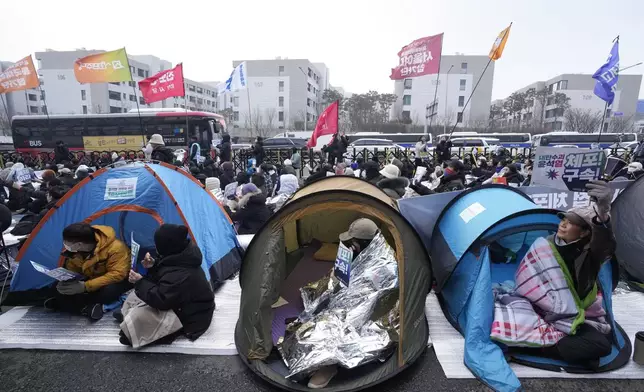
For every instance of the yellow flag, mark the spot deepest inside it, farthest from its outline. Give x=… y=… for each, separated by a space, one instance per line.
x=103 y=67
x=499 y=44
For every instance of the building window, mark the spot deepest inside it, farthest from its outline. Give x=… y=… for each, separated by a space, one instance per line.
x=280 y=69
x=116 y=83
x=406 y=99
x=281 y=86
x=33 y=109
x=132 y=98
x=207 y=102
x=459 y=117
x=463 y=82
x=183 y=106
x=461 y=101
x=147 y=74
x=132 y=70
x=33 y=97
x=407 y=83
x=114 y=109
x=463 y=67
x=199 y=90
x=131 y=84
x=308 y=87
x=84 y=109
x=191 y=87
x=114 y=95
x=124 y=96
x=199 y=101
x=406 y=116
x=141 y=101
x=191 y=98
x=83 y=95
x=235 y=116
x=140 y=72
x=550 y=101
x=557 y=125
x=310 y=72
x=280 y=116
x=562 y=85
x=236 y=101
x=280 y=102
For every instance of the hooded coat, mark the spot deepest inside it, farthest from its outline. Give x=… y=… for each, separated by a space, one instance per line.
x=163 y=154
x=225 y=149
x=394 y=187
x=108 y=264
x=177 y=282
x=252 y=213
x=228 y=175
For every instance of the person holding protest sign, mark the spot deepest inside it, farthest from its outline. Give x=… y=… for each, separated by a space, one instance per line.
x=176 y=295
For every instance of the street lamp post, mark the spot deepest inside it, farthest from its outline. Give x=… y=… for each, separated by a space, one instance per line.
x=446 y=101
x=306 y=110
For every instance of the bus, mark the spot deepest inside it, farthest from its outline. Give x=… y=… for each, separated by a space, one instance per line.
x=405 y=140
x=114 y=132
x=582 y=140
x=507 y=140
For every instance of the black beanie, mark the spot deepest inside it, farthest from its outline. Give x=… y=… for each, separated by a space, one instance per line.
x=171 y=239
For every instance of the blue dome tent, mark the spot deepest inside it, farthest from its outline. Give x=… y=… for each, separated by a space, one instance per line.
x=134 y=199
x=459 y=241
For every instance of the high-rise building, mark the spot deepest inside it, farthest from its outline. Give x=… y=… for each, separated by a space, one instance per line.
x=440 y=99
x=283 y=94
x=548 y=113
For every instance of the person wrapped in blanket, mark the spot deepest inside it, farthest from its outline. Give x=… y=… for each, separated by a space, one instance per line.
x=346 y=325
x=556 y=304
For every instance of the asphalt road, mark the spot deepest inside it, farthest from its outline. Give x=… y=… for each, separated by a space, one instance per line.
x=22 y=370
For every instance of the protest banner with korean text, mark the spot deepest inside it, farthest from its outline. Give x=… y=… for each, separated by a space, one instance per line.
x=421 y=57
x=103 y=67
x=20 y=76
x=165 y=84
x=567 y=168
x=558 y=199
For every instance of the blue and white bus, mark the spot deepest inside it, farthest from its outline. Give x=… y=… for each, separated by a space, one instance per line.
x=581 y=140
x=507 y=140
x=405 y=140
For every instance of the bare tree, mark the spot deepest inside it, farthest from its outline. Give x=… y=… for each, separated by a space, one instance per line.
x=270 y=115
x=5 y=124
x=621 y=124
x=582 y=121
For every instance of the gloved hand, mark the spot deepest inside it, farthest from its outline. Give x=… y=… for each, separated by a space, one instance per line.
x=602 y=195
x=71 y=287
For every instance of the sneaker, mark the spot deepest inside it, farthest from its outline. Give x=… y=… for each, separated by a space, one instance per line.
x=118 y=315
x=322 y=377
x=51 y=304
x=94 y=312
x=124 y=340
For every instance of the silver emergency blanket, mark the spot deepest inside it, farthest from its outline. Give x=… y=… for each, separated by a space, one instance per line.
x=346 y=326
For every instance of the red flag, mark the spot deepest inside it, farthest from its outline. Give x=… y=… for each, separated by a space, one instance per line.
x=421 y=57
x=165 y=84
x=327 y=124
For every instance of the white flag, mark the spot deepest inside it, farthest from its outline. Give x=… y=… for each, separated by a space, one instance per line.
x=238 y=79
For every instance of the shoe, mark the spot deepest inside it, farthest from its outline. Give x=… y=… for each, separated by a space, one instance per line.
x=94 y=312
x=124 y=340
x=51 y=304
x=118 y=315
x=322 y=377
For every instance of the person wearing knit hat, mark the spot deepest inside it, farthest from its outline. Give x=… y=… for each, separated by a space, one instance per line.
x=288 y=168
x=175 y=282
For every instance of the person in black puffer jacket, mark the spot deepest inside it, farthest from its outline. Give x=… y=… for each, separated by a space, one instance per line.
x=453 y=178
x=443 y=151
x=225 y=149
x=228 y=175
x=252 y=211
x=176 y=281
x=159 y=150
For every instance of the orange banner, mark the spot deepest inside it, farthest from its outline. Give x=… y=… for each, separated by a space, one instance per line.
x=20 y=76
x=103 y=67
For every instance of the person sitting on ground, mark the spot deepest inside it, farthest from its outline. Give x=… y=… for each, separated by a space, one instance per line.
x=209 y=169
x=67 y=177
x=482 y=169
x=325 y=171
x=288 y=168
x=584 y=241
x=528 y=177
x=339 y=169
x=453 y=178
x=82 y=172
x=512 y=175
x=175 y=282
x=252 y=212
x=227 y=175
x=349 y=172
x=104 y=262
x=372 y=172
x=159 y=150
x=392 y=184
x=287 y=184
x=634 y=171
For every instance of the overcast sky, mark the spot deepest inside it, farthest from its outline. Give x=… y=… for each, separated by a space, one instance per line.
x=357 y=39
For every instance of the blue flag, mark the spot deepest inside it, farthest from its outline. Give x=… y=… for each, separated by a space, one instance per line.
x=237 y=80
x=607 y=76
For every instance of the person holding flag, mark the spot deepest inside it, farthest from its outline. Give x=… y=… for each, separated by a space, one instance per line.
x=327 y=124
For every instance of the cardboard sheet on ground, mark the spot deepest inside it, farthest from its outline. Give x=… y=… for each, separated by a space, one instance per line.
x=449 y=343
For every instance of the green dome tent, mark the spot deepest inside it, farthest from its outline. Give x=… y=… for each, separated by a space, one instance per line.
x=321 y=211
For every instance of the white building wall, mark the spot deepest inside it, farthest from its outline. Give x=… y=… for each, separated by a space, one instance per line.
x=264 y=93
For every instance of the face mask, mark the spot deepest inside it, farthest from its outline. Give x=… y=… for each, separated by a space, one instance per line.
x=49 y=198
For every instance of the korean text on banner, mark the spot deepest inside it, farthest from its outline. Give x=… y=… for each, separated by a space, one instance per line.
x=103 y=67
x=342 y=268
x=120 y=188
x=165 y=84
x=327 y=124
x=499 y=44
x=567 y=168
x=20 y=76
x=421 y=57
x=103 y=143
x=607 y=76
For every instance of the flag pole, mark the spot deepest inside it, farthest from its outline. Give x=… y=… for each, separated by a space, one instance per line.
x=42 y=96
x=475 y=86
x=431 y=118
x=5 y=107
x=601 y=126
x=136 y=97
x=250 y=113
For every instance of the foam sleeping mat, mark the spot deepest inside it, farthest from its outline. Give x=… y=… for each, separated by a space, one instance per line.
x=37 y=328
x=449 y=344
